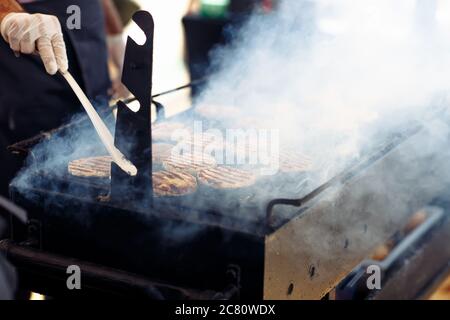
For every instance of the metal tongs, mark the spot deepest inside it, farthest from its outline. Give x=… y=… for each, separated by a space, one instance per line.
x=133 y=128
x=100 y=127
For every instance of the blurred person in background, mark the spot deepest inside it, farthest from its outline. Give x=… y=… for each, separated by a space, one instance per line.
x=37 y=41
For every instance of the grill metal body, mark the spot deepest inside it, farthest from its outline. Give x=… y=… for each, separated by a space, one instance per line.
x=301 y=256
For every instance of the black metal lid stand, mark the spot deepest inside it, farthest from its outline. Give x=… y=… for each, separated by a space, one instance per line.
x=133 y=129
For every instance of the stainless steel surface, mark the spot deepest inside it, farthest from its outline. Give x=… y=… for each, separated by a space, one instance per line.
x=309 y=255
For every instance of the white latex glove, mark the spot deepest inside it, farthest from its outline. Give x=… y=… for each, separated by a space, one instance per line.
x=28 y=33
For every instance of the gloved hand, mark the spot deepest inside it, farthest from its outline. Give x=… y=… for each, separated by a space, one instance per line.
x=28 y=33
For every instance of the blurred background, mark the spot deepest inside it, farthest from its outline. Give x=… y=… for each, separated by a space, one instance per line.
x=169 y=67
x=186 y=31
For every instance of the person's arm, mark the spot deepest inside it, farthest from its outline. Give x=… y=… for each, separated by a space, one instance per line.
x=114 y=30
x=29 y=33
x=9 y=6
x=114 y=25
x=116 y=47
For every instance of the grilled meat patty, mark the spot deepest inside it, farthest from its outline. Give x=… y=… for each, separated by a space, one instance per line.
x=167 y=183
x=190 y=162
x=202 y=140
x=99 y=167
x=223 y=177
x=161 y=152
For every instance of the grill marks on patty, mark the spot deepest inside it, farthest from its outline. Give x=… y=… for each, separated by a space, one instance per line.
x=201 y=141
x=181 y=169
x=161 y=152
x=164 y=183
x=190 y=162
x=91 y=167
x=226 y=178
x=167 y=183
x=100 y=167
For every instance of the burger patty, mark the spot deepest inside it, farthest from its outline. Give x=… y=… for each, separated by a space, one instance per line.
x=167 y=183
x=99 y=167
x=226 y=178
x=200 y=140
x=190 y=162
x=161 y=152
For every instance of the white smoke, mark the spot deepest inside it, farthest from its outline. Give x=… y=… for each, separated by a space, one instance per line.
x=336 y=76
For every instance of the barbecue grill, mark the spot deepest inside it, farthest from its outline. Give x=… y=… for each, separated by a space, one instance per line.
x=128 y=242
